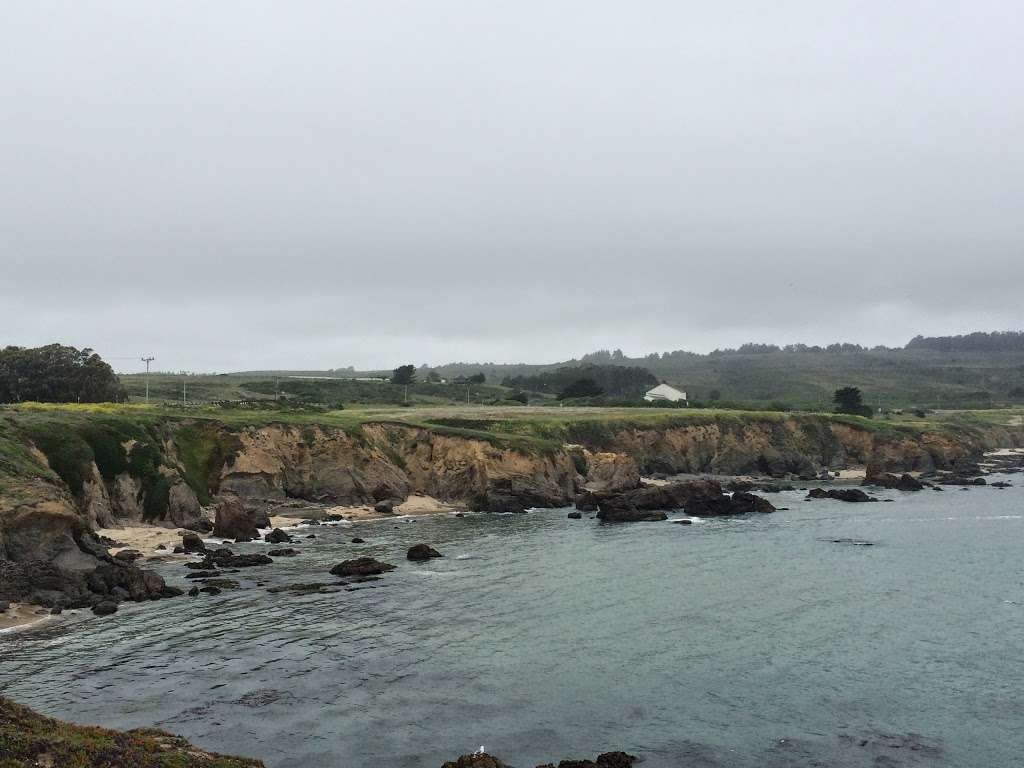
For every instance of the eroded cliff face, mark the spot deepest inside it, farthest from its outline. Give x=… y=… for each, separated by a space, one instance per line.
x=798 y=446
x=383 y=461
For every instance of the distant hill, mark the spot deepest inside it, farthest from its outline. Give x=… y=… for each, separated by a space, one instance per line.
x=976 y=370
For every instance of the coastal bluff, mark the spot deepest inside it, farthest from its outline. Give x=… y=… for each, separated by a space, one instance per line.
x=66 y=472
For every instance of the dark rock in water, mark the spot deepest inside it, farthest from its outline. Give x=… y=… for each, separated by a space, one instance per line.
x=194 y=592
x=604 y=760
x=748 y=502
x=49 y=585
x=504 y=504
x=310 y=522
x=161 y=547
x=225 y=558
x=191 y=543
x=332 y=518
x=459 y=514
x=1001 y=484
x=286 y=552
x=233 y=521
x=210 y=590
x=277 y=536
x=587 y=502
x=422 y=552
x=840 y=494
x=621 y=509
x=905 y=482
x=615 y=760
x=575 y=515
x=221 y=584
x=702 y=498
x=361 y=566
x=57 y=611
x=477 y=760
x=311 y=536
x=179 y=550
x=963 y=480
x=105 y=608
x=683 y=521
x=304 y=589
x=854 y=542
x=244 y=539
x=385 y=507
x=201 y=574
x=128 y=555
x=357 y=540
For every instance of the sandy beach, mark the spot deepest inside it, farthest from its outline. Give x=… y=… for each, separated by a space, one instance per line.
x=147 y=538
x=412 y=506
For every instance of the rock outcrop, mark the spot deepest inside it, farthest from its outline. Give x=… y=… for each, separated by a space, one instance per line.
x=225 y=558
x=840 y=494
x=605 y=760
x=233 y=521
x=701 y=498
x=904 y=482
x=111 y=581
x=361 y=566
x=608 y=471
x=422 y=552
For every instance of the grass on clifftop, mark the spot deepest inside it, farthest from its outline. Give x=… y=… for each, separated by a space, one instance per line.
x=203 y=447
x=28 y=740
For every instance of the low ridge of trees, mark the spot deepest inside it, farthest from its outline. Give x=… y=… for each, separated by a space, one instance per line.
x=614 y=380
x=997 y=341
x=56 y=374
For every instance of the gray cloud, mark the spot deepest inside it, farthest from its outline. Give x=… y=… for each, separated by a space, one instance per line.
x=243 y=185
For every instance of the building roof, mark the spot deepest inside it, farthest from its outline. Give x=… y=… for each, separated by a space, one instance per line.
x=666 y=392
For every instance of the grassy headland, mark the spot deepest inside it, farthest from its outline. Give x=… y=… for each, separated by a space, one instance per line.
x=28 y=739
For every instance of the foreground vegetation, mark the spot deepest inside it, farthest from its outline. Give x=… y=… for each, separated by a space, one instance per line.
x=28 y=740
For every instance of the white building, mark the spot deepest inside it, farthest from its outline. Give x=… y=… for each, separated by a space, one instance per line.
x=665 y=392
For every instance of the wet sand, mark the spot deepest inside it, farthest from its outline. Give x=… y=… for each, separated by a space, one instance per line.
x=22 y=615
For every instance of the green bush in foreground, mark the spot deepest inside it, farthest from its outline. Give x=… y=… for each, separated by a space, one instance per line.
x=28 y=739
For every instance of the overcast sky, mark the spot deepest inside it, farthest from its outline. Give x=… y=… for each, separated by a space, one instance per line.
x=317 y=184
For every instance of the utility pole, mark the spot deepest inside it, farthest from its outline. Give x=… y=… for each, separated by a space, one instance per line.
x=147 y=361
x=183 y=400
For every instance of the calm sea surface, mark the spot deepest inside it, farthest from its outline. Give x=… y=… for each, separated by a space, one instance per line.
x=733 y=642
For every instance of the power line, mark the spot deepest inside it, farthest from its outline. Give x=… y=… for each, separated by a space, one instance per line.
x=147 y=361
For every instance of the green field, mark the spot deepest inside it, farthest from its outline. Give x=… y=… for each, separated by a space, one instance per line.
x=205 y=389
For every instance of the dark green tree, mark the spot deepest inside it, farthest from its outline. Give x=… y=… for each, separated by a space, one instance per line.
x=581 y=388
x=849 y=400
x=404 y=375
x=56 y=374
x=477 y=378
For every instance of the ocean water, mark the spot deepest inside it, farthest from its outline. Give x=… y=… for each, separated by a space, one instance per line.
x=751 y=641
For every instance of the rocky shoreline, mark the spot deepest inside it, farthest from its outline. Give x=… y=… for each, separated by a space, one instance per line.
x=31 y=740
x=52 y=556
